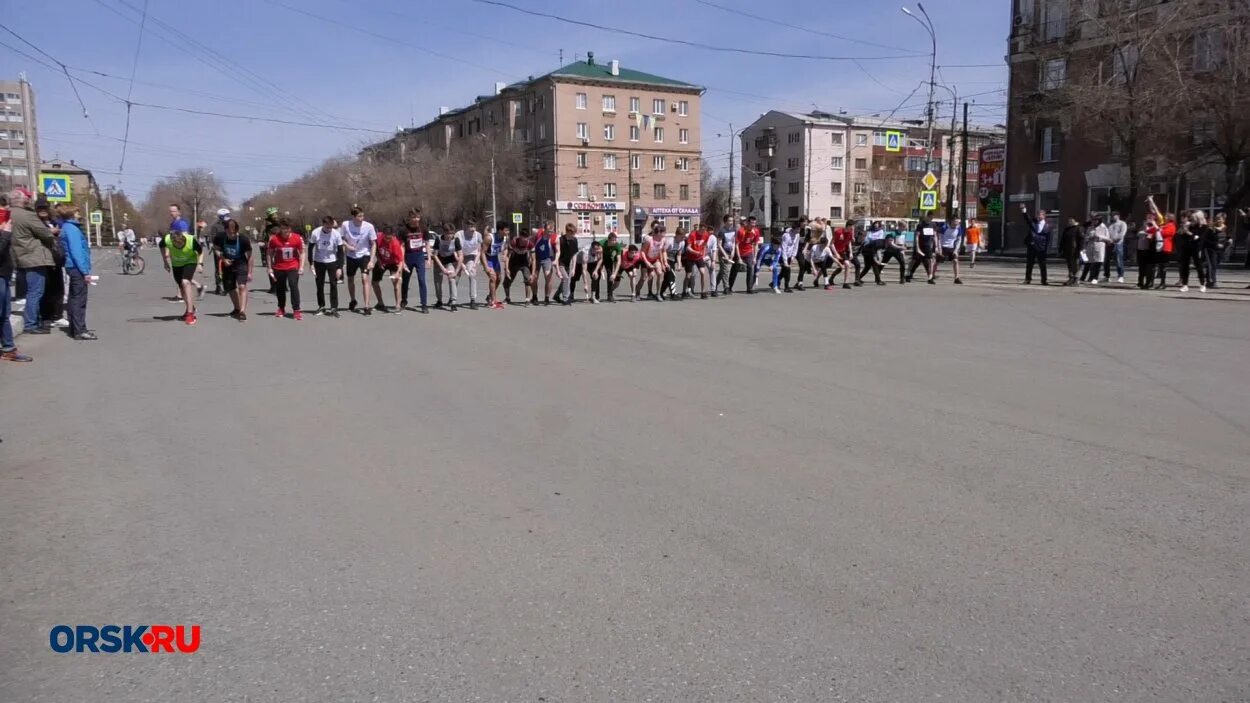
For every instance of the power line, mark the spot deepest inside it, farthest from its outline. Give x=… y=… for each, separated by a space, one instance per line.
x=795 y=26
x=134 y=70
x=64 y=69
x=685 y=42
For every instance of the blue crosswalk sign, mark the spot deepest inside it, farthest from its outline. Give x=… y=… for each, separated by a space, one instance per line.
x=928 y=200
x=56 y=188
x=894 y=141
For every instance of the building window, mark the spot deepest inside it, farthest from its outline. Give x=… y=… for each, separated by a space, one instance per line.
x=634 y=133
x=583 y=191
x=835 y=162
x=657 y=106
x=835 y=188
x=659 y=135
x=1117 y=146
x=1208 y=49
x=915 y=164
x=836 y=212
x=794 y=138
x=684 y=222
x=541 y=103
x=862 y=164
x=683 y=163
x=542 y=131
x=635 y=104
x=683 y=108
x=609 y=132
x=1054 y=19
x=792 y=162
x=1124 y=64
x=1054 y=72
x=581 y=159
x=861 y=140
x=1203 y=131
x=609 y=162
x=583 y=131
x=659 y=191
x=1048 y=139
x=898 y=186
x=683 y=136
x=657 y=163
x=861 y=188
x=635 y=162
x=635 y=190
x=683 y=192
x=609 y=190
x=581 y=101
x=609 y=103
x=878 y=138
x=835 y=138
x=792 y=212
x=792 y=187
x=584 y=222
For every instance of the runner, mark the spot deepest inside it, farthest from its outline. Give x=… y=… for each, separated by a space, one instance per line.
x=218 y=229
x=694 y=260
x=286 y=265
x=973 y=243
x=360 y=240
x=449 y=258
x=926 y=250
x=632 y=265
x=771 y=255
x=790 y=250
x=184 y=257
x=325 y=251
x=748 y=238
x=820 y=254
x=612 y=250
x=674 y=250
x=653 y=263
x=807 y=238
x=520 y=262
x=872 y=252
x=594 y=270
x=844 y=255
x=567 y=255
x=895 y=248
x=545 y=263
x=416 y=254
x=234 y=253
x=728 y=254
x=951 y=237
x=390 y=261
x=495 y=252
x=713 y=261
x=470 y=248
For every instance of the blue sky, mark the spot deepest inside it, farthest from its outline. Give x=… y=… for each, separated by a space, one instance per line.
x=378 y=64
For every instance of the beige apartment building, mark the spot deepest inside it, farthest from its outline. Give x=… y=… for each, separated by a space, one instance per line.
x=606 y=142
x=19 y=135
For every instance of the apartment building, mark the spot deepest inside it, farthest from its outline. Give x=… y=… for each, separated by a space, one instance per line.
x=19 y=135
x=1119 y=62
x=843 y=167
x=610 y=146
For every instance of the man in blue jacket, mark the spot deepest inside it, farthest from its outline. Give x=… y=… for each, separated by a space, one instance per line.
x=1037 y=243
x=78 y=267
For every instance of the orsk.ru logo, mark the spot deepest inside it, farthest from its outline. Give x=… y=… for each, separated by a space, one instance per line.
x=112 y=639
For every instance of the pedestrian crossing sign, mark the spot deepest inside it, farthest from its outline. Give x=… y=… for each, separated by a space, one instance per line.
x=894 y=141
x=57 y=187
x=928 y=200
x=517 y=218
x=97 y=217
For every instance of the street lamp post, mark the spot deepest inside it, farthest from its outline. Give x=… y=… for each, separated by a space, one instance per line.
x=928 y=26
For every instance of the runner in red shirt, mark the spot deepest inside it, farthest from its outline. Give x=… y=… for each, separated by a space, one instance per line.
x=286 y=265
x=843 y=237
x=748 y=238
x=631 y=265
x=695 y=259
x=390 y=260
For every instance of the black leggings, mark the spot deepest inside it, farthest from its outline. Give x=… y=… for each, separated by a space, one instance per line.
x=785 y=276
x=1192 y=255
x=1162 y=259
x=284 y=281
x=1091 y=271
x=325 y=270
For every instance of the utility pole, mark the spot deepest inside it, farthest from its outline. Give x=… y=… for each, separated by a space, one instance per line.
x=112 y=217
x=928 y=25
x=807 y=207
x=629 y=184
x=950 y=164
x=768 y=200
x=494 y=213
x=963 y=177
x=732 y=139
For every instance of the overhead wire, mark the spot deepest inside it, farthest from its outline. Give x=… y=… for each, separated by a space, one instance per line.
x=64 y=69
x=134 y=70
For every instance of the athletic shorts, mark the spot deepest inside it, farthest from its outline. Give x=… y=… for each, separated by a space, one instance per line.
x=546 y=266
x=925 y=246
x=380 y=271
x=948 y=253
x=695 y=263
x=355 y=266
x=519 y=267
x=492 y=263
x=233 y=276
x=185 y=272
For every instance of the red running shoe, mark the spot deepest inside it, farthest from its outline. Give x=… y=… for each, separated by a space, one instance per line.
x=298 y=315
x=189 y=318
x=280 y=314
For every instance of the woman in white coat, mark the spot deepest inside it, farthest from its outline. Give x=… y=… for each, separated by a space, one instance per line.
x=1096 y=238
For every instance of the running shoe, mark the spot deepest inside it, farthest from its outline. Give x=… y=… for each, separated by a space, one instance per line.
x=190 y=318
x=61 y=323
x=87 y=336
x=15 y=355
x=297 y=315
x=242 y=317
x=280 y=314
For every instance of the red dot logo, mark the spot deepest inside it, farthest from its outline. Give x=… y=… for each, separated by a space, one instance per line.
x=148 y=638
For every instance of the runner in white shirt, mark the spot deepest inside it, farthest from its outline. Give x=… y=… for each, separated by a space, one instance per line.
x=470 y=249
x=360 y=240
x=950 y=239
x=325 y=251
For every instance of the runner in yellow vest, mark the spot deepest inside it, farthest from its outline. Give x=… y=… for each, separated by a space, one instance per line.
x=184 y=257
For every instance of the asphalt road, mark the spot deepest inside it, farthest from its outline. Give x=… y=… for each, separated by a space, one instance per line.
x=977 y=493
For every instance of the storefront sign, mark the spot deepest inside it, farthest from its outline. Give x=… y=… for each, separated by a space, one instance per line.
x=674 y=211
x=589 y=206
x=990 y=170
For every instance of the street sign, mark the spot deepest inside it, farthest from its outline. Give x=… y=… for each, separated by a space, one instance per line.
x=97 y=217
x=517 y=218
x=929 y=180
x=894 y=142
x=928 y=200
x=57 y=187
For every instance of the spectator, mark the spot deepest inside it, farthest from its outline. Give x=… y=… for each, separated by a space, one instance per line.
x=52 y=309
x=1096 y=239
x=32 y=248
x=78 y=266
x=1214 y=239
x=1037 y=243
x=1117 y=230
x=8 y=348
x=1071 y=244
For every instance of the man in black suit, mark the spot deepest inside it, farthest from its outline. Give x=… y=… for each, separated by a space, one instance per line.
x=1036 y=242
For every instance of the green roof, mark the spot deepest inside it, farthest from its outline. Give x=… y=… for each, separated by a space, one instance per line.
x=602 y=72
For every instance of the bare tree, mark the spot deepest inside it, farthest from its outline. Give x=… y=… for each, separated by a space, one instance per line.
x=195 y=190
x=715 y=190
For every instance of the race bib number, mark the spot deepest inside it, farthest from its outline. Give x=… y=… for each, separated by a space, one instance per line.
x=416 y=243
x=286 y=253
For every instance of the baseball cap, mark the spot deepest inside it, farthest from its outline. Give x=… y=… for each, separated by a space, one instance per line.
x=180 y=225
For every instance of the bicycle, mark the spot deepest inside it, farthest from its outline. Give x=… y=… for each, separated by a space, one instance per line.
x=132 y=263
